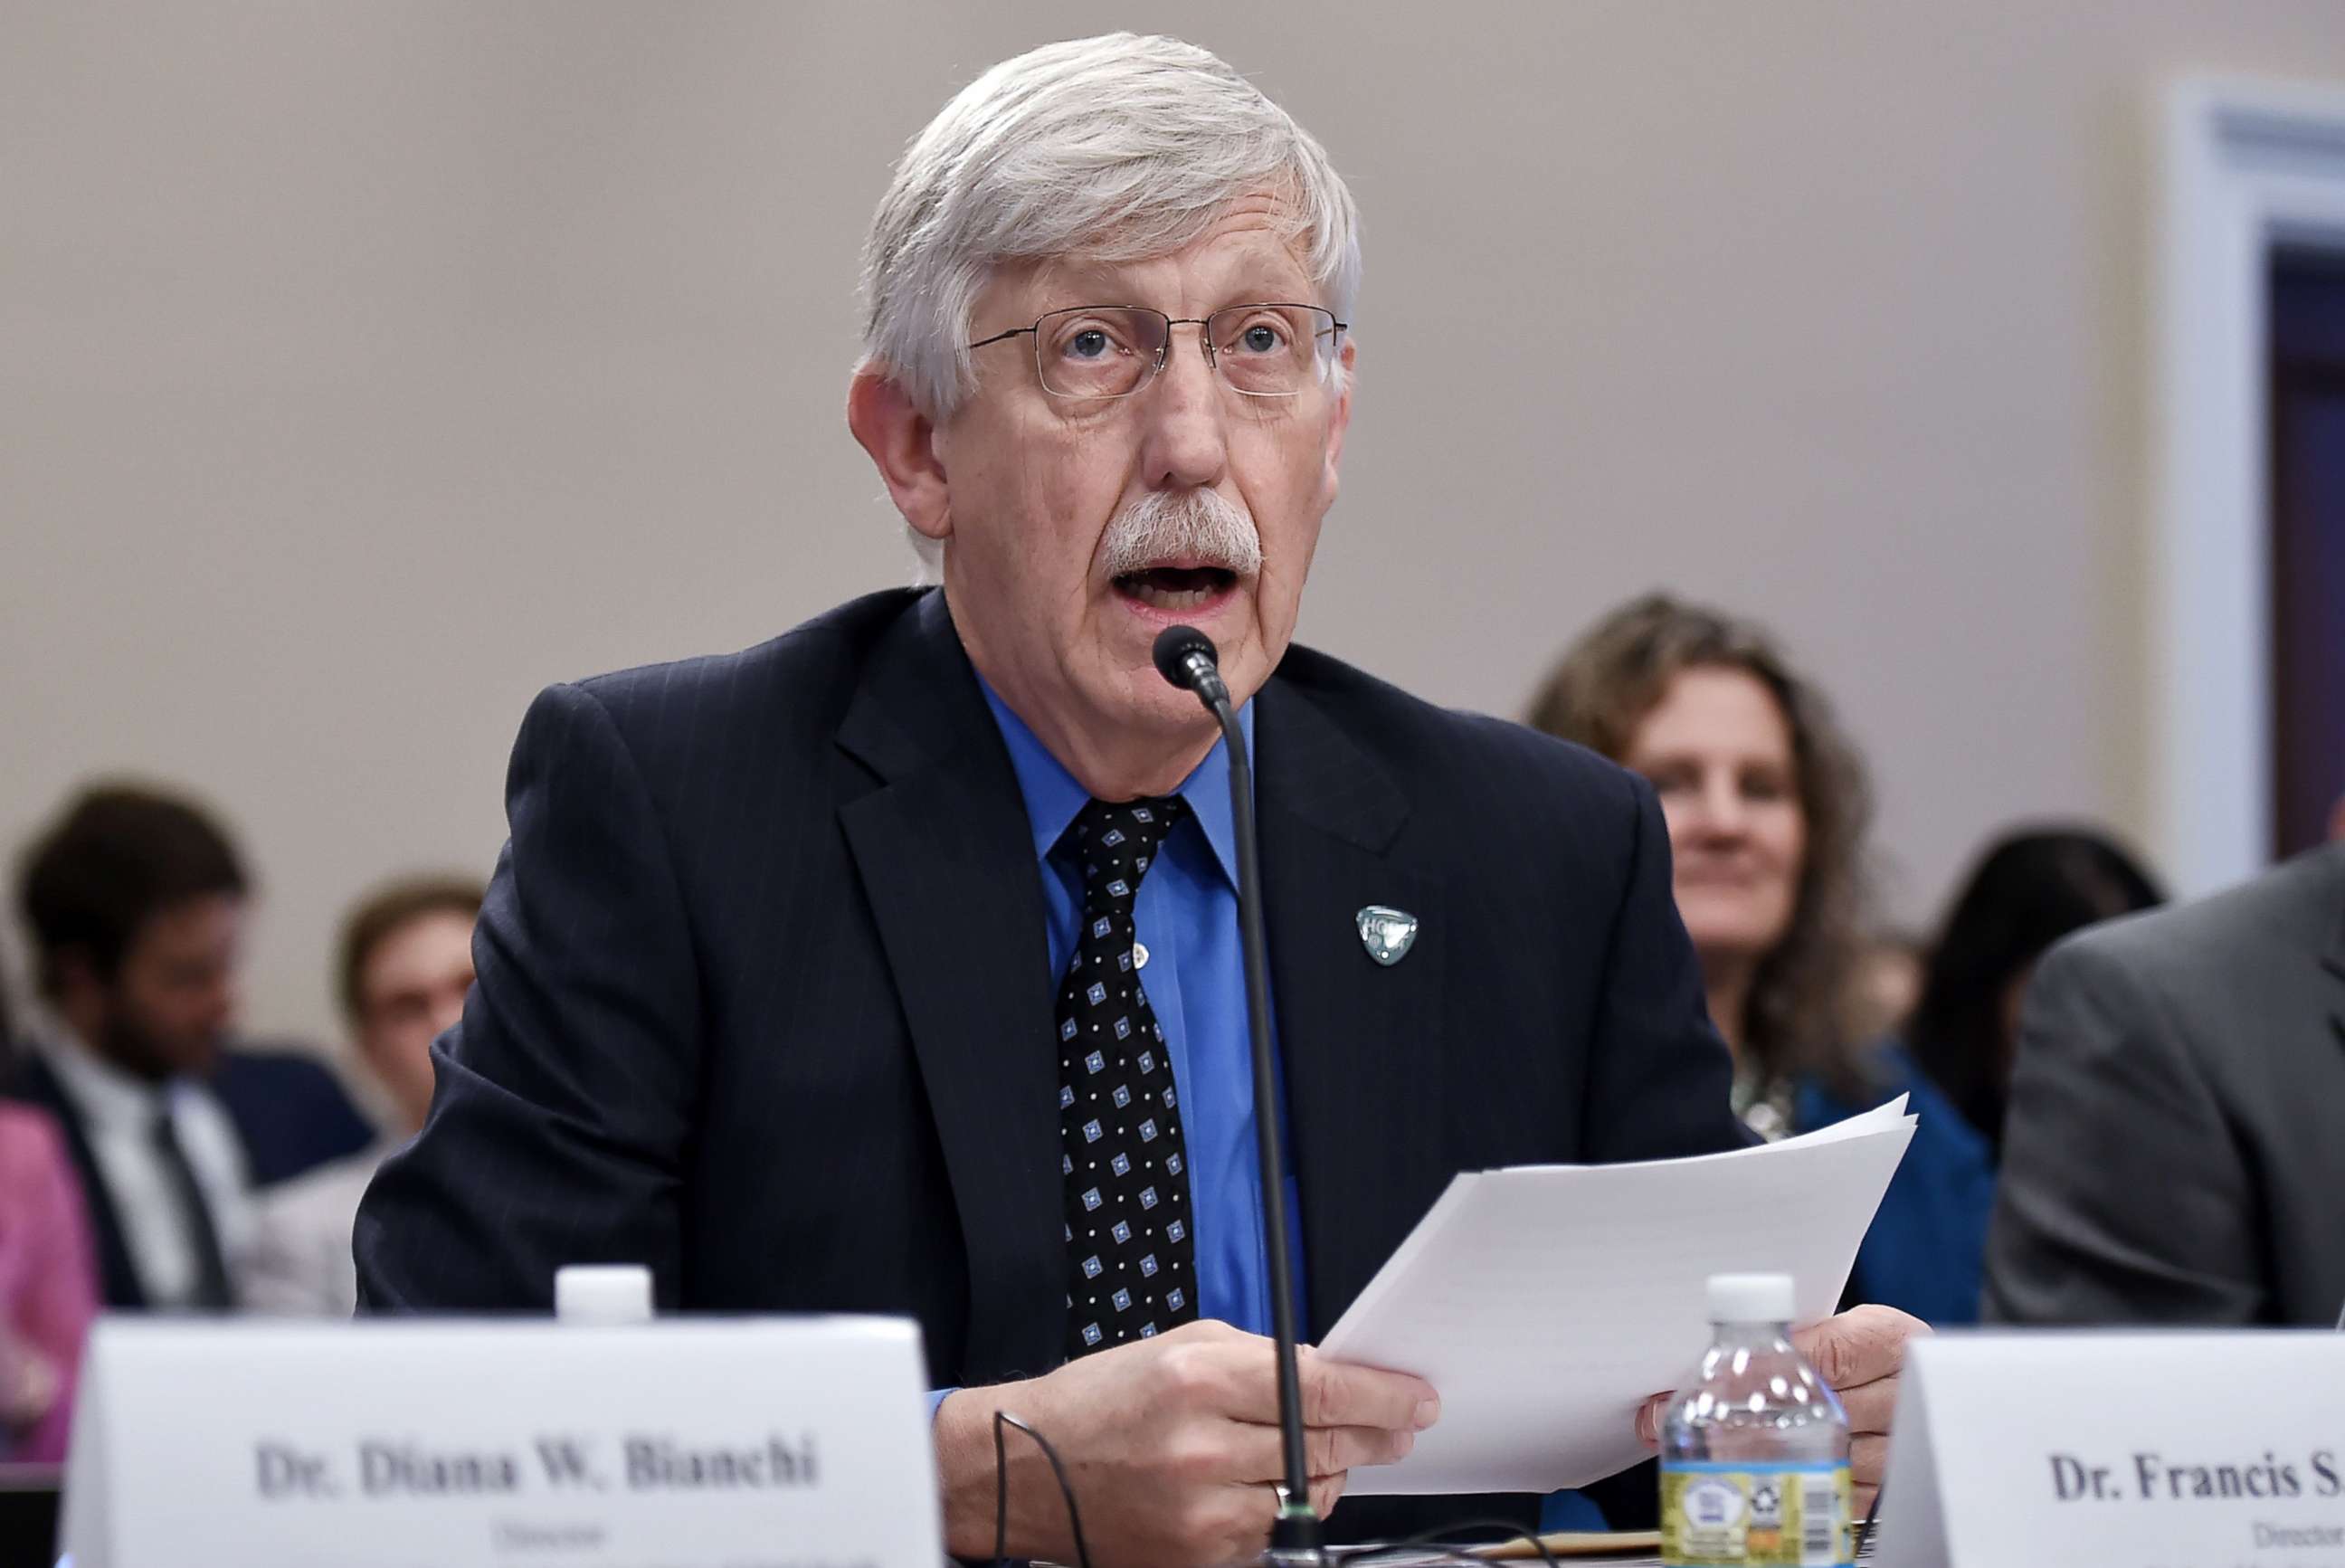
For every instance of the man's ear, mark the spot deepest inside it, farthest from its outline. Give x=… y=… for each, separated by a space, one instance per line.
x=1343 y=421
x=902 y=445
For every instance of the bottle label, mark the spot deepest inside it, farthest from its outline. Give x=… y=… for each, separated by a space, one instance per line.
x=1753 y=1514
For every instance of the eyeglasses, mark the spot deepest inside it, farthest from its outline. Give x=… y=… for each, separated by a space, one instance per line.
x=1095 y=352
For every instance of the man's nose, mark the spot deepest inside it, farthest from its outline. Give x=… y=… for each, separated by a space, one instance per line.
x=1185 y=437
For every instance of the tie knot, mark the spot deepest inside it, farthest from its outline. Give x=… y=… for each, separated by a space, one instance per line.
x=1117 y=843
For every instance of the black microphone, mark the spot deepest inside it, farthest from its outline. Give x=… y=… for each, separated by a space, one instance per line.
x=1186 y=656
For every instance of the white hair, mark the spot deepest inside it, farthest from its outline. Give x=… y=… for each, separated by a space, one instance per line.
x=1115 y=148
x=1201 y=527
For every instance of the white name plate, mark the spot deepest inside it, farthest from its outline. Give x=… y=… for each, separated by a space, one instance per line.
x=2121 y=1450
x=515 y=1444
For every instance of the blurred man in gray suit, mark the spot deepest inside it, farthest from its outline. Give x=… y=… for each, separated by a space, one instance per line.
x=2176 y=1151
x=406 y=964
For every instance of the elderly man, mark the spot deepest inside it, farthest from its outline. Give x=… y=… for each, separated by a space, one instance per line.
x=894 y=965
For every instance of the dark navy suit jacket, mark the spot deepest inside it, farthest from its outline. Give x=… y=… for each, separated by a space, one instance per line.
x=291 y=1112
x=763 y=999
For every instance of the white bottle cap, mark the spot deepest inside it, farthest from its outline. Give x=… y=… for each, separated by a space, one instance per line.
x=601 y=1293
x=1750 y=1298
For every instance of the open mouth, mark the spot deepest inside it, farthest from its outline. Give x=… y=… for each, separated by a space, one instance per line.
x=1176 y=588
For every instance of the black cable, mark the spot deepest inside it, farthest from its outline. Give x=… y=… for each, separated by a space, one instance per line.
x=1000 y=1493
x=1414 y=1557
x=1441 y=1536
x=1437 y=1537
x=1002 y=1490
x=1864 y=1531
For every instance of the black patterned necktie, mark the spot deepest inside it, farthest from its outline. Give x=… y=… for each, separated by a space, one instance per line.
x=1132 y=1259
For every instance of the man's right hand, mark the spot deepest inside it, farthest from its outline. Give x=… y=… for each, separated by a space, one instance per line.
x=1172 y=1446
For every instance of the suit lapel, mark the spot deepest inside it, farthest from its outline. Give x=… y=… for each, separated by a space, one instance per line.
x=1360 y=1042
x=946 y=860
x=118 y=1281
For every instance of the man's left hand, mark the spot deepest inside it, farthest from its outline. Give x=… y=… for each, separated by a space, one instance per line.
x=1859 y=1354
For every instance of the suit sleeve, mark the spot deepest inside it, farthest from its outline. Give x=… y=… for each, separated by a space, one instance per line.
x=1658 y=1076
x=564 y=1096
x=2122 y=1195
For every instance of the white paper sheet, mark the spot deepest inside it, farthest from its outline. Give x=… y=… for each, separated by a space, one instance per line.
x=1547 y=1302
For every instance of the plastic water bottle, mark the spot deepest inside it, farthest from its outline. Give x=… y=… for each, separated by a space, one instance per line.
x=1754 y=1449
x=601 y=1295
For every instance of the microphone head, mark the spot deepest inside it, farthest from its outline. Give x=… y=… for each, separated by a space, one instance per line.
x=1175 y=646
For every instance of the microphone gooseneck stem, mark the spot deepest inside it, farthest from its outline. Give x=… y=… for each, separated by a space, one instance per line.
x=1184 y=656
x=1205 y=680
x=1296 y=1530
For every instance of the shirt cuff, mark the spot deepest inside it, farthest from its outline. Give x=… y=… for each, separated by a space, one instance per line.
x=936 y=1402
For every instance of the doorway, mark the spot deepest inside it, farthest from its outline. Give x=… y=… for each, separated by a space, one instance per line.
x=2307 y=337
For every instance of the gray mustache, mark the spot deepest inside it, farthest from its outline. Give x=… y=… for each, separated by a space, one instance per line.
x=1201 y=526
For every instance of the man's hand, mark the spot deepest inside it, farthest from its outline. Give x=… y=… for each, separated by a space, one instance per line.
x=1860 y=1354
x=1171 y=1447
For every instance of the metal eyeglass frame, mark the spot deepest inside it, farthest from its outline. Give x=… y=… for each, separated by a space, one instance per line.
x=1335 y=334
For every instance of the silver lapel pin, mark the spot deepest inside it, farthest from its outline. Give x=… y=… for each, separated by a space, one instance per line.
x=1386 y=934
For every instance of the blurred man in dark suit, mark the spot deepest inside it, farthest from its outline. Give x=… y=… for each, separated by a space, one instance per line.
x=2174 y=1154
x=894 y=965
x=136 y=900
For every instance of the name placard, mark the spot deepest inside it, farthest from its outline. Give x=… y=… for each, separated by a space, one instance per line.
x=2123 y=1450
x=490 y=1444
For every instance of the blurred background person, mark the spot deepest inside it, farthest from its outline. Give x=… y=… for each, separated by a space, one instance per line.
x=406 y=964
x=2172 y=1154
x=2029 y=889
x=137 y=904
x=136 y=901
x=292 y=1112
x=1767 y=803
x=48 y=1284
x=1927 y=1249
x=1886 y=984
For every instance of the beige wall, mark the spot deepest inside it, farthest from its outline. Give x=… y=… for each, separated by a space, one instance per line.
x=363 y=368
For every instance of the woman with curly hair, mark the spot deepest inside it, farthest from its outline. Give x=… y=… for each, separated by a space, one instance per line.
x=1767 y=805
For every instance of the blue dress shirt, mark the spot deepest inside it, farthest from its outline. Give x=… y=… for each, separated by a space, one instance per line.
x=1187 y=919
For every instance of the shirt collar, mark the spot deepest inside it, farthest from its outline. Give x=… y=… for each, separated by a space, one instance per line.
x=1053 y=799
x=105 y=1093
